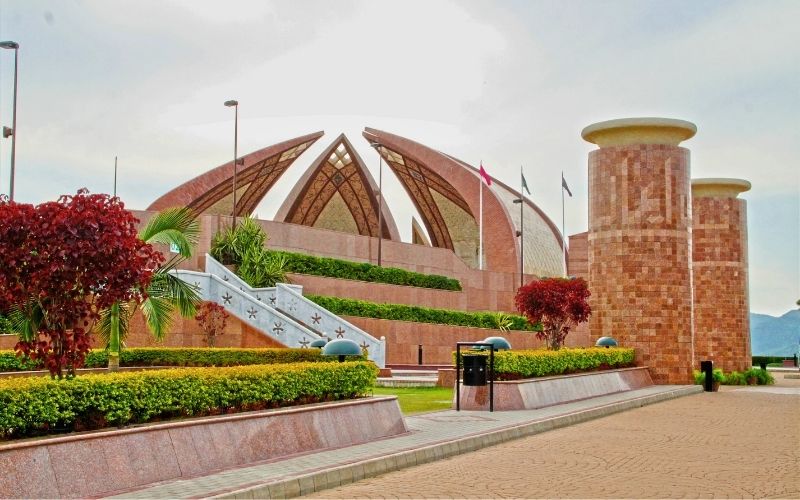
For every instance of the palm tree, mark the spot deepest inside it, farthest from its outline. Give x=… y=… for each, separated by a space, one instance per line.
x=177 y=227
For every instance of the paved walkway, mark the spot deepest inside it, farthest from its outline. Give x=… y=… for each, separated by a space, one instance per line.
x=738 y=443
x=433 y=436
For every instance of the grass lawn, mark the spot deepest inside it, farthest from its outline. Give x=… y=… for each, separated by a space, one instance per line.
x=418 y=399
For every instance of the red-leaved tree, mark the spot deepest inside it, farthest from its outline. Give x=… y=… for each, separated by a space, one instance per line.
x=557 y=303
x=212 y=318
x=63 y=261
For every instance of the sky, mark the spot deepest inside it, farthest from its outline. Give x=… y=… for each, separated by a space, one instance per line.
x=508 y=83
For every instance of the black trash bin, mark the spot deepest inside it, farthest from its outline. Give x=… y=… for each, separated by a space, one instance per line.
x=474 y=369
x=707 y=367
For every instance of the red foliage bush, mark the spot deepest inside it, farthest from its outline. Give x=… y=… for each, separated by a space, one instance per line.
x=212 y=319
x=557 y=303
x=64 y=261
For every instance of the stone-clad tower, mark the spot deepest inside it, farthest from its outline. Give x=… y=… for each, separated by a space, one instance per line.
x=719 y=270
x=639 y=241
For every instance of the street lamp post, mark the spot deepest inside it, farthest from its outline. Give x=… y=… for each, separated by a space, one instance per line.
x=235 y=105
x=13 y=131
x=380 y=199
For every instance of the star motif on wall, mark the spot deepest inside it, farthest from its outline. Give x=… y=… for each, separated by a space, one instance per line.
x=252 y=312
x=225 y=278
x=278 y=328
x=339 y=332
x=315 y=318
x=197 y=284
x=293 y=305
x=226 y=299
x=304 y=343
x=272 y=300
x=258 y=298
x=364 y=345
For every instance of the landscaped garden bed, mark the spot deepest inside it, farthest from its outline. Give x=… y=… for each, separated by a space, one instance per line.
x=37 y=405
x=523 y=364
x=402 y=312
x=536 y=378
x=178 y=356
x=244 y=248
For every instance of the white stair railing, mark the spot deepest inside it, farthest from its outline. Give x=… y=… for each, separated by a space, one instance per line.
x=332 y=326
x=249 y=309
x=287 y=304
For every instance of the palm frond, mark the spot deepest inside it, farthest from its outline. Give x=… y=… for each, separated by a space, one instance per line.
x=158 y=315
x=25 y=322
x=169 y=287
x=178 y=226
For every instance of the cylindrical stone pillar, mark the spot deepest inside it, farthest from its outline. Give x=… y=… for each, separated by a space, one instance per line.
x=639 y=241
x=719 y=273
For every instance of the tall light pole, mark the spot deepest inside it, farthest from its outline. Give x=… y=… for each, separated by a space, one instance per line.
x=380 y=199
x=13 y=131
x=235 y=105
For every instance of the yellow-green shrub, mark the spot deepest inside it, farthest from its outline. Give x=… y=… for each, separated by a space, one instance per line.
x=39 y=405
x=541 y=363
x=180 y=356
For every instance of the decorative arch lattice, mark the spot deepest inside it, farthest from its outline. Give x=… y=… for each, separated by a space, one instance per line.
x=212 y=192
x=422 y=183
x=338 y=193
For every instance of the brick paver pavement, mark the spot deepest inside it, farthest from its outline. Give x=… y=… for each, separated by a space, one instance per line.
x=738 y=443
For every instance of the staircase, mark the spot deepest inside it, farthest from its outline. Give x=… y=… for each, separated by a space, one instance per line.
x=281 y=313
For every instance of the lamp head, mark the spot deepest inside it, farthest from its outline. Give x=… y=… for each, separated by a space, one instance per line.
x=9 y=45
x=231 y=103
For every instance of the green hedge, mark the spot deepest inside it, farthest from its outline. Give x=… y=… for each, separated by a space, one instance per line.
x=38 y=405
x=510 y=365
x=752 y=376
x=336 y=268
x=401 y=312
x=757 y=360
x=181 y=356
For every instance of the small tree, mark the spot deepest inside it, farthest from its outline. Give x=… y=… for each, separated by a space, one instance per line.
x=557 y=303
x=212 y=318
x=61 y=263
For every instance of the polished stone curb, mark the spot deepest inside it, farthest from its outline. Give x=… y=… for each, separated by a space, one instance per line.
x=349 y=473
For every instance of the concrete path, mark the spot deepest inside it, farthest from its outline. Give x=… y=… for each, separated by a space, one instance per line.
x=433 y=436
x=738 y=443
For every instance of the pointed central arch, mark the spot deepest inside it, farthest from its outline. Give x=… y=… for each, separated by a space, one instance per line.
x=337 y=192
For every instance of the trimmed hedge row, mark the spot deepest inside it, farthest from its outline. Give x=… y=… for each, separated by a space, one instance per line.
x=752 y=376
x=38 y=405
x=757 y=360
x=511 y=365
x=362 y=271
x=401 y=312
x=180 y=356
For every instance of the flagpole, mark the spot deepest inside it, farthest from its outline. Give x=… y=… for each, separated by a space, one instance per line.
x=480 y=228
x=563 y=233
x=115 y=177
x=521 y=231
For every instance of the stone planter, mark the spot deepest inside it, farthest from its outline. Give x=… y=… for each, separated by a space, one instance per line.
x=102 y=463
x=529 y=394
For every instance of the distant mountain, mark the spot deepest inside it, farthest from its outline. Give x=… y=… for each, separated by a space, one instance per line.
x=771 y=336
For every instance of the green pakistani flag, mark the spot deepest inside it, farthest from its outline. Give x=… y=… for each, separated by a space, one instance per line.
x=525 y=184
